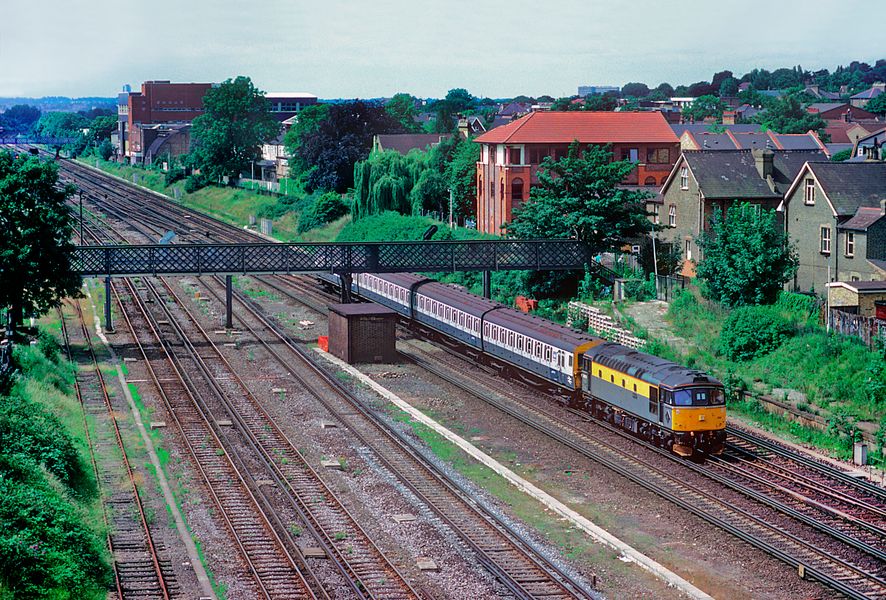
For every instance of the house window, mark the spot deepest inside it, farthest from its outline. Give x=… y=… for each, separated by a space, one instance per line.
x=684 y=178
x=825 y=240
x=688 y=249
x=649 y=181
x=850 y=244
x=672 y=215
x=517 y=190
x=656 y=214
x=658 y=156
x=516 y=155
x=809 y=192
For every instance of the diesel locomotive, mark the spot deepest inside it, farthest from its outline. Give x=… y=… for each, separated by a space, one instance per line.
x=678 y=408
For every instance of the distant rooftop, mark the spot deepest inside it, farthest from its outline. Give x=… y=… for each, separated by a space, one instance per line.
x=289 y=95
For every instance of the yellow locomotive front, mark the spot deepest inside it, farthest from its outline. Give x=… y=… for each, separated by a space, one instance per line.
x=697 y=417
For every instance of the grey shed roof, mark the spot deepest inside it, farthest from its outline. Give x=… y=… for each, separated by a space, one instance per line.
x=850 y=185
x=732 y=174
x=826 y=106
x=702 y=128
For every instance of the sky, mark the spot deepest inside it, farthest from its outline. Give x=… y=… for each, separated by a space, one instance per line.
x=334 y=48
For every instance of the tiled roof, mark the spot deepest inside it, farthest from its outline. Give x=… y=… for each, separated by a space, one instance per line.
x=825 y=106
x=850 y=185
x=863 y=218
x=404 y=142
x=732 y=174
x=871 y=92
x=588 y=127
x=702 y=128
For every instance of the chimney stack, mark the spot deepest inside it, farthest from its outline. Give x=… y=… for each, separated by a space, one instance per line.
x=763 y=159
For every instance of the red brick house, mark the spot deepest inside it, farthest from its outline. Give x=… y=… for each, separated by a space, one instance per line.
x=511 y=154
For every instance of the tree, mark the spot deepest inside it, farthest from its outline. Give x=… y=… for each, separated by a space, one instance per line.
x=729 y=87
x=580 y=196
x=787 y=115
x=60 y=124
x=19 y=118
x=101 y=127
x=430 y=192
x=877 y=105
x=307 y=122
x=402 y=109
x=384 y=181
x=35 y=270
x=704 y=107
x=459 y=100
x=228 y=136
x=718 y=79
x=701 y=88
x=461 y=176
x=785 y=78
x=337 y=141
x=599 y=102
x=637 y=90
x=666 y=89
x=747 y=257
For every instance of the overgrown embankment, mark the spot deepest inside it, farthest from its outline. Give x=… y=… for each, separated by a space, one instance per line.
x=51 y=529
x=781 y=350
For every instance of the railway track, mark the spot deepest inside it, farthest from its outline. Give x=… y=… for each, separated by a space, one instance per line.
x=499 y=549
x=856 y=570
x=139 y=571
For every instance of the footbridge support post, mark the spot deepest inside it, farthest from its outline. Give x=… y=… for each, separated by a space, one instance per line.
x=229 y=297
x=109 y=325
x=487 y=284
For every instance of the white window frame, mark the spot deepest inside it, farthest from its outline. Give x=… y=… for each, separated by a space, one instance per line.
x=809 y=192
x=825 y=239
x=850 y=244
x=656 y=214
x=684 y=178
x=672 y=215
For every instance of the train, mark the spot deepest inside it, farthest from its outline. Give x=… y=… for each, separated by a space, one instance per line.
x=669 y=405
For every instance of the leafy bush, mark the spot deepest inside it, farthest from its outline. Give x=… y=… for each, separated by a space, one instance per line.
x=752 y=331
x=194 y=183
x=105 y=150
x=174 y=174
x=842 y=155
x=326 y=208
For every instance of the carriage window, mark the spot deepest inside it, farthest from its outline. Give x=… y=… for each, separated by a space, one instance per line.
x=485 y=329
x=511 y=339
x=461 y=319
x=548 y=353
x=538 y=349
x=448 y=314
x=570 y=360
x=519 y=342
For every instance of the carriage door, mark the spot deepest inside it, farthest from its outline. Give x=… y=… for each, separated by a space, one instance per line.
x=561 y=362
x=655 y=405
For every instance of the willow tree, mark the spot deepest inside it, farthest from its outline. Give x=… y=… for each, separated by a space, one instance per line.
x=384 y=182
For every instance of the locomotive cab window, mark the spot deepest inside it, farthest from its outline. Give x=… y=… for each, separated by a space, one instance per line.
x=683 y=398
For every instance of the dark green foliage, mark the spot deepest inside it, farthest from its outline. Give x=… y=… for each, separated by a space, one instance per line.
x=580 y=196
x=461 y=176
x=637 y=90
x=194 y=183
x=287 y=204
x=35 y=246
x=392 y=226
x=227 y=137
x=174 y=174
x=60 y=124
x=105 y=150
x=877 y=105
x=704 y=107
x=337 y=141
x=430 y=192
x=752 y=331
x=307 y=124
x=788 y=115
x=729 y=87
x=19 y=118
x=747 y=257
x=47 y=548
x=842 y=155
x=384 y=182
x=326 y=208
x=402 y=109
